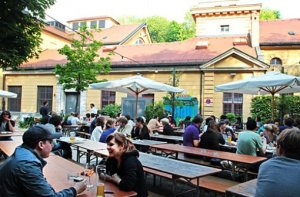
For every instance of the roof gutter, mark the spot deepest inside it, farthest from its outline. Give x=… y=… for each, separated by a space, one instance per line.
x=279 y=44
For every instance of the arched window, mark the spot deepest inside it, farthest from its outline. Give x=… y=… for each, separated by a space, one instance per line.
x=275 y=61
x=139 y=41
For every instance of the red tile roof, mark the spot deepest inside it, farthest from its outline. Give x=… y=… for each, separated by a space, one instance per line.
x=93 y=18
x=277 y=31
x=115 y=34
x=47 y=59
x=176 y=52
x=184 y=52
x=57 y=32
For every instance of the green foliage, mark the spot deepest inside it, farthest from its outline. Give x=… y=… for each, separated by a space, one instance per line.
x=20 y=32
x=154 y=109
x=163 y=30
x=110 y=110
x=262 y=106
x=231 y=117
x=28 y=122
x=269 y=14
x=84 y=63
x=290 y=105
x=285 y=105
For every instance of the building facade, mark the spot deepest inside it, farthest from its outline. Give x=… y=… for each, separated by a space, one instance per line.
x=231 y=44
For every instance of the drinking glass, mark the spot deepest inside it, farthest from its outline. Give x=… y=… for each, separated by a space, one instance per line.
x=89 y=171
x=101 y=172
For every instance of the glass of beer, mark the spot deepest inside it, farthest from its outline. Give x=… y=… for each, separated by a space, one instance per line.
x=100 y=189
x=72 y=137
x=229 y=139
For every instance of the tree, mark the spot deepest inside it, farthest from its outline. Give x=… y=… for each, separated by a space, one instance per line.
x=157 y=26
x=20 y=32
x=163 y=30
x=268 y=14
x=84 y=63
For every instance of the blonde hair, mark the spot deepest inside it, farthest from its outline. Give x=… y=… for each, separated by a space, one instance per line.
x=271 y=127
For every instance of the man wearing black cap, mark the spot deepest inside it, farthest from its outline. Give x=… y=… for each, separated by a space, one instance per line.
x=21 y=174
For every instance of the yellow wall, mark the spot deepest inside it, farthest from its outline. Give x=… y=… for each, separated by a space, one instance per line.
x=52 y=42
x=142 y=33
x=190 y=82
x=214 y=78
x=290 y=59
x=29 y=89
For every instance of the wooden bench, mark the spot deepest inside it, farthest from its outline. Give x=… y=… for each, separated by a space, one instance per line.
x=211 y=183
x=83 y=134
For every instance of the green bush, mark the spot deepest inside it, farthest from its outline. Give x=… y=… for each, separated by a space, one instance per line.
x=231 y=117
x=110 y=110
x=154 y=109
x=286 y=105
x=28 y=122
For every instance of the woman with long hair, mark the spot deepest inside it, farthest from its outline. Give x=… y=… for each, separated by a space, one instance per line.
x=123 y=167
x=6 y=124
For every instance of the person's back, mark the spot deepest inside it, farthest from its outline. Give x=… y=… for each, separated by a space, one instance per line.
x=211 y=140
x=249 y=141
x=168 y=130
x=106 y=133
x=280 y=175
x=96 y=133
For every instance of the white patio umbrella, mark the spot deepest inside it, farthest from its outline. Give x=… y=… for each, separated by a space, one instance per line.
x=135 y=85
x=269 y=83
x=7 y=94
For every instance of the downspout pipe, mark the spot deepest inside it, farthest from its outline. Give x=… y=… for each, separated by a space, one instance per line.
x=201 y=91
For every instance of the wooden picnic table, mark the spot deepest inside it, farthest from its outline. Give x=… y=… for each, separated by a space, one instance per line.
x=89 y=145
x=246 y=189
x=246 y=159
x=176 y=139
x=56 y=172
x=177 y=169
x=147 y=142
x=8 y=147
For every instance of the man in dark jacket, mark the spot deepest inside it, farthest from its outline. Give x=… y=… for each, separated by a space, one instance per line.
x=167 y=129
x=21 y=174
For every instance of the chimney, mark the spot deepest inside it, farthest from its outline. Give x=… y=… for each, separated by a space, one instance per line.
x=109 y=48
x=240 y=41
x=254 y=32
x=202 y=45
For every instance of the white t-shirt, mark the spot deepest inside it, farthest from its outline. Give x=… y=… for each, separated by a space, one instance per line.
x=96 y=133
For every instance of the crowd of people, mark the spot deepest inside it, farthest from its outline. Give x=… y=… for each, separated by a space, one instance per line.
x=123 y=167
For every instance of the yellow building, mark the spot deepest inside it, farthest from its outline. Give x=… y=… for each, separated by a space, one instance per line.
x=231 y=44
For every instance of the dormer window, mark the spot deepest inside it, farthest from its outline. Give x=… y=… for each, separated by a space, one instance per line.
x=275 y=61
x=75 y=26
x=224 y=28
x=102 y=24
x=93 y=25
x=82 y=24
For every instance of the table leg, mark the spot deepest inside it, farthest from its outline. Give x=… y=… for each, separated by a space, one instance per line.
x=173 y=186
x=78 y=155
x=88 y=157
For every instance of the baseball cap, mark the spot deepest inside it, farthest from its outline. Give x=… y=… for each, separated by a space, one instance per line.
x=38 y=133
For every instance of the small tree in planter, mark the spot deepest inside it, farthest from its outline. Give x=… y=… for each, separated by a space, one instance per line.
x=154 y=109
x=111 y=110
x=231 y=117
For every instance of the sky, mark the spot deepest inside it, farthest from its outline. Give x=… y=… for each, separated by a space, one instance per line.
x=65 y=10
